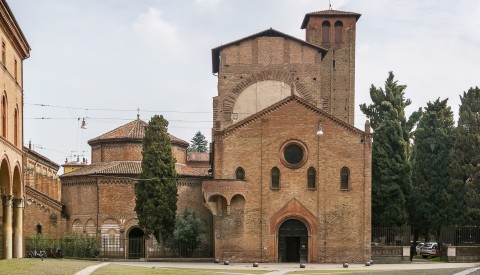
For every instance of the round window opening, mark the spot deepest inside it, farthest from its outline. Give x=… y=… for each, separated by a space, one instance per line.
x=293 y=154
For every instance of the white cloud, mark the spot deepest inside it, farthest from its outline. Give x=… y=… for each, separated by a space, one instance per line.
x=157 y=32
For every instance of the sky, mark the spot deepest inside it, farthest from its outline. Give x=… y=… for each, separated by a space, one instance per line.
x=107 y=61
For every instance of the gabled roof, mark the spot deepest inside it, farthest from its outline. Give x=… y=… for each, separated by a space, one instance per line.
x=132 y=131
x=328 y=13
x=281 y=104
x=270 y=33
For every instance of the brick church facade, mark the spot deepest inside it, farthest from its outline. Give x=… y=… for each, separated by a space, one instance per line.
x=291 y=174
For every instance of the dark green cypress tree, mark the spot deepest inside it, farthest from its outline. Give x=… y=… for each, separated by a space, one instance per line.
x=433 y=143
x=156 y=189
x=464 y=202
x=391 y=170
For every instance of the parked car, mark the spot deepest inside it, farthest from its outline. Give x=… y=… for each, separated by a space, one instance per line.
x=417 y=248
x=429 y=250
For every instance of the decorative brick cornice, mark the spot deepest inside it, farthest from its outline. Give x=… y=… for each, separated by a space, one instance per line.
x=293 y=99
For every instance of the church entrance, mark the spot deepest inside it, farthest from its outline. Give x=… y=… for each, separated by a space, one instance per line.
x=293 y=242
x=136 y=244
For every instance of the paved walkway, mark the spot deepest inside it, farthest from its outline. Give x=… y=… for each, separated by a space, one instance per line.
x=283 y=268
x=90 y=269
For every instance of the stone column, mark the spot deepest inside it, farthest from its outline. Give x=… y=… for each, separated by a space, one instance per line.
x=7 y=226
x=18 y=228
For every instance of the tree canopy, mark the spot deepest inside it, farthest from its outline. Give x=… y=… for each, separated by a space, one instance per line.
x=433 y=143
x=464 y=203
x=198 y=143
x=156 y=189
x=391 y=170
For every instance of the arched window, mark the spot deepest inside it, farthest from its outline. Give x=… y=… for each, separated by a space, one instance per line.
x=240 y=174
x=344 y=178
x=15 y=127
x=326 y=31
x=275 y=174
x=38 y=228
x=4 y=116
x=311 y=178
x=338 y=31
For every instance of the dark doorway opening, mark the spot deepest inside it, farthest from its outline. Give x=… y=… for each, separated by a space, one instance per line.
x=136 y=244
x=293 y=242
x=292 y=252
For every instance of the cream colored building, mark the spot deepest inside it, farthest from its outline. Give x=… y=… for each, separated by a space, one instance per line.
x=14 y=49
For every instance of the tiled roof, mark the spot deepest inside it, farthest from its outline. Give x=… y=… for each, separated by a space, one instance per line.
x=328 y=13
x=108 y=168
x=134 y=130
x=270 y=33
x=129 y=168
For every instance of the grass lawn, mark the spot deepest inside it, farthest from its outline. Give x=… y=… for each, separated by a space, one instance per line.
x=47 y=266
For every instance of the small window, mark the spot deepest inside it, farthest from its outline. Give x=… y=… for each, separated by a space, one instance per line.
x=338 y=31
x=4 y=116
x=38 y=228
x=240 y=174
x=4 y=54
x=326 y=31
x=344 y=178
x=311 y=178
x=15 y=127
x=15 y=70
x=275 y=178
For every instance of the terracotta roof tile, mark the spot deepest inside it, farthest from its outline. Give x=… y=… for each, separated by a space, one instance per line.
x=108 y=168
x=130 y=168
x=134 y=130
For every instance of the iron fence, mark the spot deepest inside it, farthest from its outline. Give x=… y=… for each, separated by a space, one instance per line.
x=460 y=235
x=139 y=247
x=391 y=235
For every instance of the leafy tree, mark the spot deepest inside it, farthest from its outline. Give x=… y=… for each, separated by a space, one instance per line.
x=433 y=143
x=464 y=202
x=199 y=143
x=156 y=189
x=189 y=233
x=391 y=171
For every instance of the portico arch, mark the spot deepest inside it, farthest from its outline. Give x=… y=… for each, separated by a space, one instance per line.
x=7 y=199
x=18 y=206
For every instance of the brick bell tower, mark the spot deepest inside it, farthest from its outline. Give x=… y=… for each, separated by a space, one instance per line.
x=335 y=31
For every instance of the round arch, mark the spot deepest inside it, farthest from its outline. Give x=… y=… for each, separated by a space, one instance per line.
x=17 y=182
x=5 y=185
x=293 y=241
x=136 y=242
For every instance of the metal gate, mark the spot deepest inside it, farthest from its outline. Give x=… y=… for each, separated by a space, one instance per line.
x=293 y=242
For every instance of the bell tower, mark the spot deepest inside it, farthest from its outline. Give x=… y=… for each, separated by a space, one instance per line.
x=335 y=31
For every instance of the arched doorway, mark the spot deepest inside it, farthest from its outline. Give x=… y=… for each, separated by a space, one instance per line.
x=136 y=244
x=293 y=241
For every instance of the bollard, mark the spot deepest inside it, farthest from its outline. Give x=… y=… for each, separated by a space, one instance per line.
x=255 y=264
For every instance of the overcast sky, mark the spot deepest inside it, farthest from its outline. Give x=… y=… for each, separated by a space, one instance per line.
x=103 y=60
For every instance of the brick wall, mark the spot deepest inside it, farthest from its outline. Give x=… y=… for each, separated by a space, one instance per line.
x=341 y=217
